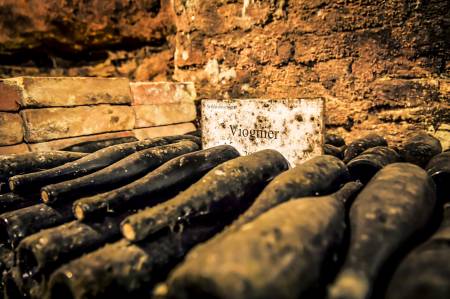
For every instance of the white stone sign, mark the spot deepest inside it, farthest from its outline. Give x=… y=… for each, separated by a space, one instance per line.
x=294 y=127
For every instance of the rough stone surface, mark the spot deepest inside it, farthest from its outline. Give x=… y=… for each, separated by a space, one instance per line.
x=37 y=92
x=54 y=123
x=11 y=128
x=14 y=149
x=381 y=65
x=9 y=97
x=87 y=38
x=146 y=93
x=177 y=129
x=63 y=143
x=164 y=114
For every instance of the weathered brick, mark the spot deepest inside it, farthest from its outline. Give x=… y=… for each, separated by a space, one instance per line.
x=9 y=97
x=164 y=131
x=146 y=93
x=164 y=114
x=63 y=143
x=70 y=91
x=11 y=128
x=55 y=123
x=14 y=149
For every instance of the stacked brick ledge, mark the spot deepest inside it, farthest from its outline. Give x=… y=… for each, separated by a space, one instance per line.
x=51 y=113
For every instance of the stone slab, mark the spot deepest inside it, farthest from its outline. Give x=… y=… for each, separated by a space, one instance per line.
x=11 y=128
x=14 y=149
x=9 y=97
x=55 y=123
x=37 y=92
x=146 y=93
x=177 y=129
x=164 y=114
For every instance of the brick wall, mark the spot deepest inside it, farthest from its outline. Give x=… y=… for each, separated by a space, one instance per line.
x=50 y=113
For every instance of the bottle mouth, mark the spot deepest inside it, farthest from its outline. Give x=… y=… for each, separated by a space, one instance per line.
x=27 y=263
x=363 y=170
x=11 y=185
x=78 y=212
x=128 y=232
x=4 y=234
x=61 y=289
x=45 y=197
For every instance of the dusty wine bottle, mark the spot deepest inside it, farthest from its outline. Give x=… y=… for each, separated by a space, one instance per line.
x=284 y=240
x=197 y=133
x=124 y=269
x=11 y=165
x=439 y=169
x=12 y=201
x=420 y=148
x=18 y=224
x=335 y=140
x=157 y=185
x=38 y=255
x=425 y=272
x=360 y=145
x=118 y=174
x=367 y=164
x=11 y=287
x=395 y=205
x=318 y=176
x=88 y=164
x=214 y=193
x=6 y=258
x=332 y=150
x=93 y=146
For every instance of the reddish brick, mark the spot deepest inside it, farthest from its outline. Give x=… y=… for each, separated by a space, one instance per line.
x=56 y=123
x=70 y=91
x=11 y=128
x=147 y=93
x=62 y=143
x=164 y=114
x=14 y=149
x=164 y=131
x=9 y=97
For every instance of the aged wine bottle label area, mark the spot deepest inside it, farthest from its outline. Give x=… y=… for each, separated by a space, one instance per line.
x=294 y=127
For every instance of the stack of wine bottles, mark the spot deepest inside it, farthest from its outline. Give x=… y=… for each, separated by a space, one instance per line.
x=163 y=218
